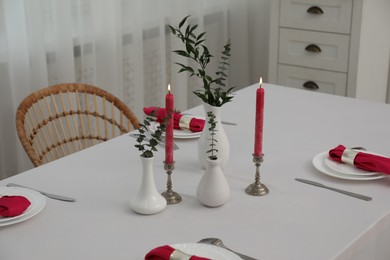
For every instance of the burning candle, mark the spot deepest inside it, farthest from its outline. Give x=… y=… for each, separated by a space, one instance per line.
x=169 y=106
x=259 y=120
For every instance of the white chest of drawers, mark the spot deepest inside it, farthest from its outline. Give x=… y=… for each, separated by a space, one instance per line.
x=314 y=44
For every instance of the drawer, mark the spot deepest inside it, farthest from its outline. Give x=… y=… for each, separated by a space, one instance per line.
x=318 y=15
x=327 y=82
x=298 y=47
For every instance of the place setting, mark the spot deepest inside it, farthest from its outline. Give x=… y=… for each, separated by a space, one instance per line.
x=352 y=164
x=204 y=249
x=19 y=204
x=185 y=126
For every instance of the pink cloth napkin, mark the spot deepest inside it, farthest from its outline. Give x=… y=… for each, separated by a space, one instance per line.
x=362 y=160
x=11 y=206
x=194 y=124
x=164 y=253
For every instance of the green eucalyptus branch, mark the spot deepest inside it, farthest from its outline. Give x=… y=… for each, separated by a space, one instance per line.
x=213 y=124
x=147 y=146
x=198 y=52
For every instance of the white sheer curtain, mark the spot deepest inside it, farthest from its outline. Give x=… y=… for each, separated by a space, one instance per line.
x=123 y=46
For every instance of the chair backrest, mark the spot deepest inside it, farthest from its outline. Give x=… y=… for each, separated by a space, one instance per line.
x=59 y=120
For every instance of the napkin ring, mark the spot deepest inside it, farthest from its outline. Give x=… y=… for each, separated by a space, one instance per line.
x=179 y=255
x=348 y=156
x=184 y=122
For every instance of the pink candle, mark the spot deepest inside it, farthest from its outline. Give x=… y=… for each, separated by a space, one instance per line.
x=169 y=106
x=259 y=120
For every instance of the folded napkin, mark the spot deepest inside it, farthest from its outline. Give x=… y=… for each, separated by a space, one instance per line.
x=362 y=160
x=11 y=206
x=180 y=121
x=166 y=252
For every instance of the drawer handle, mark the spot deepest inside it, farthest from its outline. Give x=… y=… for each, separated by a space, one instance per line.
x=315 y=10
x=313 y=48
x=310 y=85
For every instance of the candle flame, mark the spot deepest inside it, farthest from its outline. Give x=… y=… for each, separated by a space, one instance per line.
x=261 y=81
x=169 y=88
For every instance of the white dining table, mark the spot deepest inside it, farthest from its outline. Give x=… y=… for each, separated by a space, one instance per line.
x=294 y=221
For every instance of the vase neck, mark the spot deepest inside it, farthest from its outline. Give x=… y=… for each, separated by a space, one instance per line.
x=147 y=163
x=213 y=163
x=216 y=111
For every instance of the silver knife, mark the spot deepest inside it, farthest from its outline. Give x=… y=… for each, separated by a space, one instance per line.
x=228 y=123
x=352 y=194
x=49 y=195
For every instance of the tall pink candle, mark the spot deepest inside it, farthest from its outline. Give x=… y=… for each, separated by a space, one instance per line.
x=169 y=106
x=259 y=120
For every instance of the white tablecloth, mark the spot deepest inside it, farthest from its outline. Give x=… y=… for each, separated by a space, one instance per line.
x=294 y=221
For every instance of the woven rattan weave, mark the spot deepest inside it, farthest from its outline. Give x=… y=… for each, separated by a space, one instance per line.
x=59 y=120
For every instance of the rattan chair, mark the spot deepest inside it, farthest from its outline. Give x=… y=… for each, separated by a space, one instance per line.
x=59 y=120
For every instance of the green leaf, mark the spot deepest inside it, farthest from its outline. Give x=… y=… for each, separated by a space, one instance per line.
x=200 y=36
x=153 y=142
x=187 y=34
x=199 y=42
x=189 y=48
x=183 y=21
x=182 y=53
x=193 y=28
x=172 y=30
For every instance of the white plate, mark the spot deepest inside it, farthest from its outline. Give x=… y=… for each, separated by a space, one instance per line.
x=208 y=251
x=38 y=202
x=319 y=164
x=346 y=168
x=179 y=134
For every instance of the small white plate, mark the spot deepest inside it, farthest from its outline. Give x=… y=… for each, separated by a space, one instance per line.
x=208 y=251
x=319 y=164
x=38 y=202
x=179 y=134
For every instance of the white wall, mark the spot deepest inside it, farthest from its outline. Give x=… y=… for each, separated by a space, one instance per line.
x=258 y=24
x=374 y=45
x=249 y=21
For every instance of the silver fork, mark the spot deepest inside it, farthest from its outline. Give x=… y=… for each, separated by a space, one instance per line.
x=162 y=143
x=218 y=242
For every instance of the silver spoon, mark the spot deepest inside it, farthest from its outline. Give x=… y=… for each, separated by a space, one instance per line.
x=218 y=242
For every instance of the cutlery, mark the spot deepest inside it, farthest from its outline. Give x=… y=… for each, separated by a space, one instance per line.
x=222 y=122
x=49 y=195
x=228 y=123
x=175 y=146
x=218 y=242
x=359 y=148
x=352 y=194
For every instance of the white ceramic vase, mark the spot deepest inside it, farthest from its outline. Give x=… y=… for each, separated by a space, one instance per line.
x=213 y=188
x=148 y=200
x=222 y=144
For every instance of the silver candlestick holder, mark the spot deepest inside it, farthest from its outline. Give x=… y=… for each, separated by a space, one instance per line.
x=171 y=196
x=257 y=188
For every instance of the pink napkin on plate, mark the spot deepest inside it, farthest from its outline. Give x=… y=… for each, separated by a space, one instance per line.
x=365 y=161
x=180 y=121
x=11 y=206
x=165 y=252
